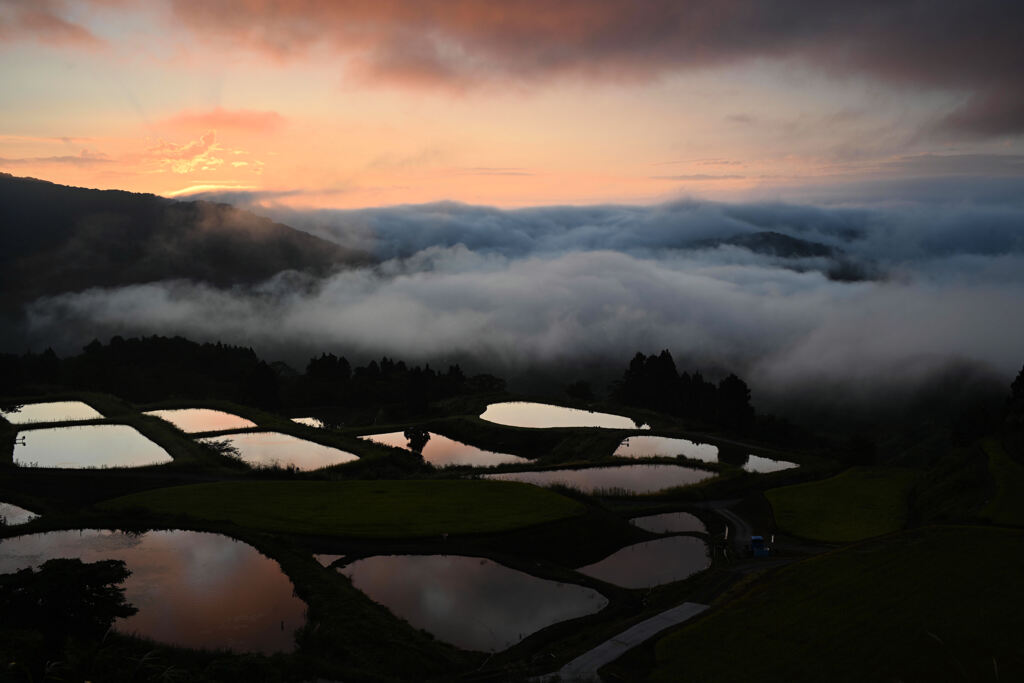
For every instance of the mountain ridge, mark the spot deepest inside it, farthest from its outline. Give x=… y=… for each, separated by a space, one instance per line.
x=57 y=238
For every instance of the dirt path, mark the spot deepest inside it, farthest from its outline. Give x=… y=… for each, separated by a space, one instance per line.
x=584 y=667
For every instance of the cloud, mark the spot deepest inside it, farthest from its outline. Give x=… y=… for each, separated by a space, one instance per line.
x=697 y=177
x=41 y=21
x=550 y=287
x=990 y=113
x=221 y=192
x=493 y=171
x=84 y=158
x=248 y=120
x=196 y=155
x=471 y=42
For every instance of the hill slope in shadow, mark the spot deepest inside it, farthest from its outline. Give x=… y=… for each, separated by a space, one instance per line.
x=56 y=239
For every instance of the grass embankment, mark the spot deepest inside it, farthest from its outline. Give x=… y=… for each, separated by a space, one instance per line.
x=933 y=604
x=1007 y=505
x=378 y=509
x=860 y=503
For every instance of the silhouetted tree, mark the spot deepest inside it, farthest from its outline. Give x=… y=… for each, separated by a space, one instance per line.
x=1015 y=404
x=66 y=597
x=580 y=390
x=418 y=438
x=734 y=409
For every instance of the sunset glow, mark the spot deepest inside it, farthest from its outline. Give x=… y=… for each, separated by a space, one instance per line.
x=354 y=104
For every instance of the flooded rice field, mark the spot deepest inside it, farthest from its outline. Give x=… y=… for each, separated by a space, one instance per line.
x=652 y=563
x=273 y=449
x=669 y=523
x=644 y=446
x=543 y=415
x=470 y=602
x=192 y=589
x=326 y=559
x=11 y=515
x=624 y=478
x=87 y=446
x=52 y=411
x=665 y=447
x=440 y=451
x=196 y=420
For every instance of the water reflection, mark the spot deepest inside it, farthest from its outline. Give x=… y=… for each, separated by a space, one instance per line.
x=652 y=563
x=309 y=421
x=196 y=420
x=325 y=559
x=88 y=446
x=53 y=411
x=440 y=451
x=542 y=415
x=12 y=514
x=756 y=463
x=473 y=603
x=628 y=478
x=192 y=589
x=268 y=449
x=664 y=447
x=670 y=522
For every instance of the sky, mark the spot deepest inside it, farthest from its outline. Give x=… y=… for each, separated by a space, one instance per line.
x=549 y=184
x=358 y=103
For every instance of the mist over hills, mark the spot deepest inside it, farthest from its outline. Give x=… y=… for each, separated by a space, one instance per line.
x=56 y=239
x=835 y=308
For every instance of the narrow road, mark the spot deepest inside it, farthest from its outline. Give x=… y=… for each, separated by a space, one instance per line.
x=741 y=530
x=584 y=667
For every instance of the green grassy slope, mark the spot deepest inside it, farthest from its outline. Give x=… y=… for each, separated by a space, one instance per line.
x=933 y=604
x=382 y=509
x=1007 y=505
x=859 y=503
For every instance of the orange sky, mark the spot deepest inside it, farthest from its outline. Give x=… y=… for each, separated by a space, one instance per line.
x=367 y=104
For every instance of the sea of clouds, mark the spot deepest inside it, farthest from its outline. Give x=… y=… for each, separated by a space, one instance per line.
x=902 y=292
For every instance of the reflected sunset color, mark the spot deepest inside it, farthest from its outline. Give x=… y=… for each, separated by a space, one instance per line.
x=192 y=589
x=628 y=478
x=53 y=411
x=197 y=420
x=543 y=415
x=87 y=446
x=440 y=451
x=272 y=449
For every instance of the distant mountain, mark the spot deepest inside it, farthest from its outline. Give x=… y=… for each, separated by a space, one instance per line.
x=837 y=266
x=774 y=243
x=55 y=239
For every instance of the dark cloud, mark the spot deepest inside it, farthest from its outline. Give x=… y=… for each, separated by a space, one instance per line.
x=975 y=47
x=996 y=112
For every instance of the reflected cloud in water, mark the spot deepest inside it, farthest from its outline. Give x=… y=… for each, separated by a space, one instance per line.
x=193 y=589
x=471 y=602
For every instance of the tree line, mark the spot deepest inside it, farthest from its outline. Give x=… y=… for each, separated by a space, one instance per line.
x=156 y=368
